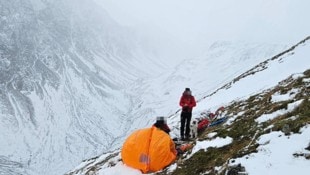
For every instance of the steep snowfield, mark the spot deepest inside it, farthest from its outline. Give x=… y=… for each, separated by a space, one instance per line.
x=64 y=71
x=222 y=62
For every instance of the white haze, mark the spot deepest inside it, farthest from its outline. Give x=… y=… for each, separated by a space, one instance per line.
x=204 y=21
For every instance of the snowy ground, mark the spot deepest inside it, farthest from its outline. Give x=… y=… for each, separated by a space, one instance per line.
x=290 y=107
x=275 y=154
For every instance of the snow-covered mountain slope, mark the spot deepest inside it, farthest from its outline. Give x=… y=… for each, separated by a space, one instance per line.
x=243 y=106
x=64 y=71
x=74 y=84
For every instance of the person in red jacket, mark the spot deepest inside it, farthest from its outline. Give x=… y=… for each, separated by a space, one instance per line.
x=187 y=102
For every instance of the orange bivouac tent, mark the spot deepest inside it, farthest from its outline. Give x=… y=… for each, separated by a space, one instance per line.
x=148 y=150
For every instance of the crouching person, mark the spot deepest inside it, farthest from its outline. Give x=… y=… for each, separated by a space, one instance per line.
x=150 y=149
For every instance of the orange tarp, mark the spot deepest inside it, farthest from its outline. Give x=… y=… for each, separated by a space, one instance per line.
x=148 y=150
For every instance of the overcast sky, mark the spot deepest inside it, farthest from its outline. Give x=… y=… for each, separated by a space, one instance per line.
x=210 y=20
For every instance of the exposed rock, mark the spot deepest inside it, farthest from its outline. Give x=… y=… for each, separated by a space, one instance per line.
x=308 y=148
x=286 y=129
x=236 y=170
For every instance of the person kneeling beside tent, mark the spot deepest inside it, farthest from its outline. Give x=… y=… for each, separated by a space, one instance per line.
x=150 y=149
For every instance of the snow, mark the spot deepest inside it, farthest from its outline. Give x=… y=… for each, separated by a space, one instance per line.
x=277 y=97
x=158 y=92
x=113 y=83
x=172 y=168
x=119 y=169
x=307 y=80
x=275 y=154
x=211 y=135
x=276 y=70
x=290 y=107
x=217 y=142
x=242 y=89
x=232 y=119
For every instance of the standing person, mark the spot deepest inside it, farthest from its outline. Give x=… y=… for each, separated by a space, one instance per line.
x=187 y=102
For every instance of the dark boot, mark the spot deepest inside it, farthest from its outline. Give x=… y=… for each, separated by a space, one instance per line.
x=182 y=138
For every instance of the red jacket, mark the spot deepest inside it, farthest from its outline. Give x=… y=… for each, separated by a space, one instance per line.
x=187 y=102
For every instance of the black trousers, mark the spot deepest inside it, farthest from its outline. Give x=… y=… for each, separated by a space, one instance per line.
x=185 y=121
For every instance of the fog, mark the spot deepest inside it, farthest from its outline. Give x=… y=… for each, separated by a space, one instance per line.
x=198 y=22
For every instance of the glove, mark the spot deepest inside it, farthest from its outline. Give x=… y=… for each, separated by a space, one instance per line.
x=179 y=151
